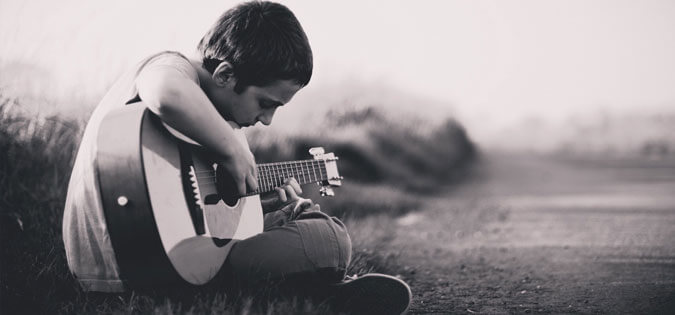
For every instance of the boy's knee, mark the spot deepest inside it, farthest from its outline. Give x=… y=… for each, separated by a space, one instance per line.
x=326 y=242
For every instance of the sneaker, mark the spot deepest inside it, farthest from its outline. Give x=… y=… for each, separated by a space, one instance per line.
x=371 y=293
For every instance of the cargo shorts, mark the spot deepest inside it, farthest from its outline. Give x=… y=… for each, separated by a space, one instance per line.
x=298 y=240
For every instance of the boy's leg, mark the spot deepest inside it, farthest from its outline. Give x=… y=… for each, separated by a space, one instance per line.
x=311 y=245
x=311 y=253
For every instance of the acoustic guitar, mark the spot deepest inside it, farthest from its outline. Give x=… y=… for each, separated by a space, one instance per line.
x=172 y=214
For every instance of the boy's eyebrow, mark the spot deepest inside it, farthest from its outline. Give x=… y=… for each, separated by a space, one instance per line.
x=273 y=101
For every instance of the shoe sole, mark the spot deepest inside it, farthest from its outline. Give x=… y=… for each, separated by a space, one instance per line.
x=372 y=293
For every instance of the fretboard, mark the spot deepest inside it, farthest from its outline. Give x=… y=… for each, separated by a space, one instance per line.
x=272 y=175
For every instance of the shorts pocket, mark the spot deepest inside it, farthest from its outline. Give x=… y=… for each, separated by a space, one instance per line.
x=320 y=243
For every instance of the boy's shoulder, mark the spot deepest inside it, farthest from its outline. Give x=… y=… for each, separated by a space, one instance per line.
x=171 y=59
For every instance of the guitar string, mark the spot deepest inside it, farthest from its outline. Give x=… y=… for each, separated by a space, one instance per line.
x=321 y=176
x=270 y=176
x=321 y=169
x=288 y=171
x=272 y=173
x=289 y=165
x=295 y=162
x=273 y=179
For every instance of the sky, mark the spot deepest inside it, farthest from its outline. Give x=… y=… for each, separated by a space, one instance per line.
x=489 y=63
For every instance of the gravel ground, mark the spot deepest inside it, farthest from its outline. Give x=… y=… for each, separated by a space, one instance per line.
x=542 y=235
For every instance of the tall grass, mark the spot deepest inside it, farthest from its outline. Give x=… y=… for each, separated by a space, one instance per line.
x=36 y=156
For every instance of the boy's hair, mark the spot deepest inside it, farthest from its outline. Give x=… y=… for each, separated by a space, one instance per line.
x=263 y=41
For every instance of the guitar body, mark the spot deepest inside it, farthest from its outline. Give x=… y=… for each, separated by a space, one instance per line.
x=165 y=220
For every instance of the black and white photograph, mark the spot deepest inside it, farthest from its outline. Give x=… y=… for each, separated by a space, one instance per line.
x=337 y=157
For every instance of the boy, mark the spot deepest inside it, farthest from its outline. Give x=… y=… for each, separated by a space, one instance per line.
x=253 y=60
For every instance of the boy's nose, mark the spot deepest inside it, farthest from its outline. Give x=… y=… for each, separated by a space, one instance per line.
x=266 y=117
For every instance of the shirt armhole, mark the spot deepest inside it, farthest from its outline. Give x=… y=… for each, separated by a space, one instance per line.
x=169 y=59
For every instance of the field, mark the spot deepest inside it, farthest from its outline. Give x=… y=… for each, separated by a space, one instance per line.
x=35 y=163
x=489 y=233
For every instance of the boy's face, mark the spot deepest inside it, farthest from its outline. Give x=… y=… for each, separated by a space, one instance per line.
x=255 y=103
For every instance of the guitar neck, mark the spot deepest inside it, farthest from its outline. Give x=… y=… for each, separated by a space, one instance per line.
x=272 y=175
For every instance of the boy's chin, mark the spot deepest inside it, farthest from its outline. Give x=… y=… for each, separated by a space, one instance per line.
x=235 y=125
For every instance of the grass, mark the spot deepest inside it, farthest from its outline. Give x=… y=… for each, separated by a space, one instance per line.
x=36 y=156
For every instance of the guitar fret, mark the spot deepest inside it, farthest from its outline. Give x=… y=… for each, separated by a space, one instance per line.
x=317 y=177
x=300 y=179
x=275 y=175
x=302 y=165
x=293 y=171
x=314 y=171
x=305 y=172
x=267 y=178
x=309 y=175
x=285 y=172
x=272 y=175
x=261 y=178
x=283 y=176
x=309 y=164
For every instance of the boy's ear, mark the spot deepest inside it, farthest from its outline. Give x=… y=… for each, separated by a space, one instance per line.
x=223 y=74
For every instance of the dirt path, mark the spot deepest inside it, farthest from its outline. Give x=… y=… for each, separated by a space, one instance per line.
x=535 y=235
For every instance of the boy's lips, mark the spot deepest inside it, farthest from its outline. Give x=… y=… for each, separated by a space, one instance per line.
x=235 y=125
x=242 y=125
x=249 y=124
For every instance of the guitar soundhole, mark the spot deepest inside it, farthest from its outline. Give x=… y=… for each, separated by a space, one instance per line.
x=226 y=187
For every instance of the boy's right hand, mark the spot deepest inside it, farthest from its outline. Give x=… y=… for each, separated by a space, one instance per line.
x=240 y=164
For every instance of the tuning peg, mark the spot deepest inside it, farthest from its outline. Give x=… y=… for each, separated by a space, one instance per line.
x=315 y=151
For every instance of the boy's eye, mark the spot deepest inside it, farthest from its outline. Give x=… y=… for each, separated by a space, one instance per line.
x=267 y=104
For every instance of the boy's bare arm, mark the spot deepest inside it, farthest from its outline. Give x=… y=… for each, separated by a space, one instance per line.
x=182 y=104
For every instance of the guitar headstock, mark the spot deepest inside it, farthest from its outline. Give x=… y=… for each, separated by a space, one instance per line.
x=333 y=177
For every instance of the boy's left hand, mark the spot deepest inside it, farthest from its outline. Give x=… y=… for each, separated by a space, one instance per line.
x=281 y=196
